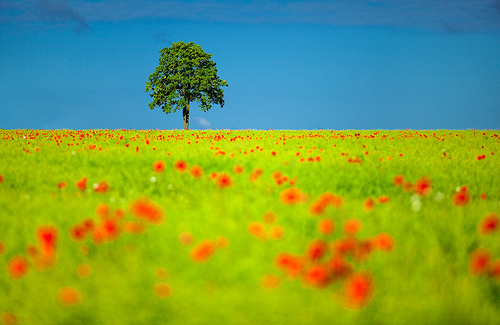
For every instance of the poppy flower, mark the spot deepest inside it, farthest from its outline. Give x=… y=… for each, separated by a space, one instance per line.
x=101 y=187
x=383 y=242
x=83 y=270
x=495 y=269
x=339 y=267
x=203 y=251
x=221 y=242
x=18 y=267
x=460 y=199
x=317 y=208
x=69 y=296
x=352 y=226
x=196 y=171
x=78 y=233
x=257 y=230
x=317 y=276
x=407 y=186
x=224 y=181
x=326 y=226
x=111 y=228
x=61 y=185
x=489 y=224
x=291 y=195
x=316 y=249
x=180 y=166
x=103 y=210
x=276 y=232
x=269 y=217
x=186 y=239
x=368 y=204
x=82 y=184
x=1 y=179
x=422 y=186
x=47 y=239
x=2 y=248
x=270 y=281
x=290 y=264
x=159 y=166
x=383 y=199
x=363 y=250
x=132 y=227
x=255 y=175
x=238 y=169
x=479 y=262
x=162 y=290
x=484 y=196
x=358 y=289
x=146 y=210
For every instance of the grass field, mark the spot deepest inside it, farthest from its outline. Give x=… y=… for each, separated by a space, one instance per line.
x=249 y=227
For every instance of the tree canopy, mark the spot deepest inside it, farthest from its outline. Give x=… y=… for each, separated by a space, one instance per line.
x=185 y=74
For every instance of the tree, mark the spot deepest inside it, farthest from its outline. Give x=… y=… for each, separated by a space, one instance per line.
x=185 y=74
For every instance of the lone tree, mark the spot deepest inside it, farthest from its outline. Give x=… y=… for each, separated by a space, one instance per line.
x=185 y=74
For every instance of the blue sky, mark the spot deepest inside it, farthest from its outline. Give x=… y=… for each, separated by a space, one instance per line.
x=347 y=64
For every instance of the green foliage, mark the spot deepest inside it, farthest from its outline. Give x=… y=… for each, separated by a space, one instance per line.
x=185 y=74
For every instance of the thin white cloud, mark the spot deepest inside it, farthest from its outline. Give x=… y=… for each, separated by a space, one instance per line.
x=202 y=122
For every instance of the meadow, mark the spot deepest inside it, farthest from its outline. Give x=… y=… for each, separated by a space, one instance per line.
x=249 y=227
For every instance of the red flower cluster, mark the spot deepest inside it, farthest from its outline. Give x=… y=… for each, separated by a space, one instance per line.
x=325 y=200
x=481 y=261
x=324 y=264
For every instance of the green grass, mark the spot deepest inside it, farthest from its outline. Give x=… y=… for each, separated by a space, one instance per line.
x=424 y=278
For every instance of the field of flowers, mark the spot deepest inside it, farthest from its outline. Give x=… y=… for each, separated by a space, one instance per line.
x=249 y=227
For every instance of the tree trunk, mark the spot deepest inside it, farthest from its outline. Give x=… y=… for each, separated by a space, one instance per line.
x=185 y=114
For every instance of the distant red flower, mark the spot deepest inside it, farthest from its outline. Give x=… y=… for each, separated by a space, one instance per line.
x=203 y=251
x=69 y=296
x=276 y=232
x=224 y=181
x=316 y=276
x=489 y=224
x=383 y=242
x=495 y=269
x=269 y=217
x=132 y=227
x=77 y=233
x=326 y=226
x=1 y=179
x=383 y=199
x=358 y=290
x=317 y=208
x=163 y=290
x=290 y=264
x=291 y=195
x=255 y=175
x=407 y=186
x=238 y=169
x=316 y=249
x=270 y=281
x=257 y=229
x=159 y=166
x=484 y=196
x=368 y=204
x=460 y=199
x=339 y=267
x=352 y=226
x=147 y=210
x=18 y=267
x=186 y=238
x=111 y=228
x=82 y=184
x=103 y=210
x=2 y=248
x=47 y=239
x=61 y=185
x=180 y=166
x=422 y=186
x=196 y=172
x=479 y=262
x=101 y=187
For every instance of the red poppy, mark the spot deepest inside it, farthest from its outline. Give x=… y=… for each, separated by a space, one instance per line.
x=317 y=208
x=422 y=186
x=316 y=249
x=18 y=267
x=180 y=166
x=196 y=172
x=1 y=179
x=276 y=232
x=290 y=264
x=495 y=269
x=383 y=242
x=147 y=210
x=489 y=224
x=132 y=227
x=163 y=290
x=47 y=239
x=78 y=233
x=255 y=175
x=224 y=181
x=103 y=210
x=269 y=217
x=291 y=196
x=339 y=267
x=358 y=289
x=460 y=199
x=203 y=251
x=257 y=229
x=159 y=166
x=326 y=226
x=101 y=187
x=69 y=296
x=270 y=281
x=238 y=169
x=316 y=276
x=352 y=226
x=383 y=199
x=368 y=204
x=479 y=262
x=82 y=184
x=61 y=185
x=186 y=239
